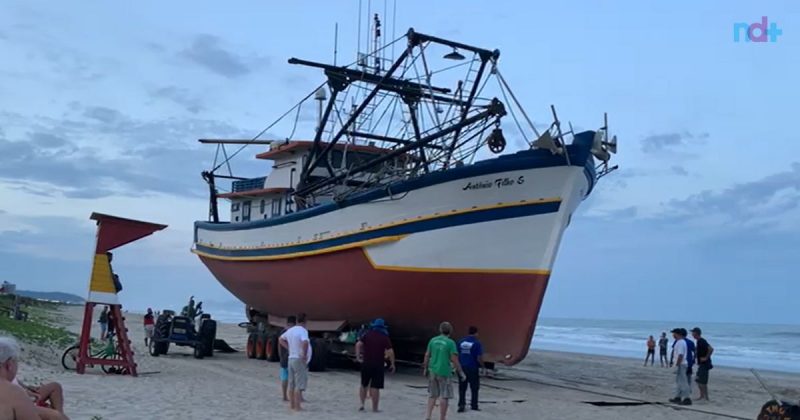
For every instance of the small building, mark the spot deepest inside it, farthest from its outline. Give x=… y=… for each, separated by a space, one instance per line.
x=8 y=288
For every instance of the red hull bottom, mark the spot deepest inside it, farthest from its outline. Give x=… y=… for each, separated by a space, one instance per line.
x=345 y=286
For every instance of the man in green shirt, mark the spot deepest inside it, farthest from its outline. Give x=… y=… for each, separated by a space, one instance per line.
x=440 y=359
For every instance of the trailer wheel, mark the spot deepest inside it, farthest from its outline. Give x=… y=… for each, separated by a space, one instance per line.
x=272 y=348
x=261 y=344
x=319 y=356
x=251 y=346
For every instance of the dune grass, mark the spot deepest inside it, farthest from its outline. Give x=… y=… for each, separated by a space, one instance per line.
x=40 y=328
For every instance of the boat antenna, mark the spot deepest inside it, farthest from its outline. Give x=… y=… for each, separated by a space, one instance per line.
x=358 y=47
x=394 y=22
x=377 y=42
x=335 y=41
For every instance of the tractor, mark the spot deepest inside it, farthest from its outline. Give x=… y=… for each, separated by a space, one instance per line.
x=192 y=328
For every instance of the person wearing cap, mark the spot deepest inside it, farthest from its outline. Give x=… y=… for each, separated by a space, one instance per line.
x=440 y=359
x=149 y=326
x=704 y=351
x=372 y=349
x=691 y=354
x=470 y=355
x=680 y=353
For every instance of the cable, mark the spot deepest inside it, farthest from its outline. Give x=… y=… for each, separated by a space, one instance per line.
x=268 y=127
x=511 y=110
x=503 y=80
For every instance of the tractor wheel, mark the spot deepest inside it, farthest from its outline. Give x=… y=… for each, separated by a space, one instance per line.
x=271 y=348
x=251 y=346
x=208 y=331
x=152 y=348
x=261 y=344
x=199 y=351
x=163 y=347
x=319 y=356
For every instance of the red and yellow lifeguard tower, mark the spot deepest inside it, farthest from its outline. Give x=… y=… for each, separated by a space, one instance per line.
x=112 y=232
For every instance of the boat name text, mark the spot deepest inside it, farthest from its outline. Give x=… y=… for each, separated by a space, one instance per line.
x=497 y=183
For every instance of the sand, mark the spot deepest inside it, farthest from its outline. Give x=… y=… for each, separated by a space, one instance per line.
x=547 y=385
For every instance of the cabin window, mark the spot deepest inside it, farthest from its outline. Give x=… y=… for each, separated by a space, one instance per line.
x=246 y=211
x=263 y=206
x=235 y=207
x=336 y=159
x=276 y=207
x=359 y=158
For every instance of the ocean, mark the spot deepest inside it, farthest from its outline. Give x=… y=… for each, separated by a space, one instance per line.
x=772 y=347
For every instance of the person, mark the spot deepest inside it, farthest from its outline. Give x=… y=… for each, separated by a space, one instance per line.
x=283 y=354
x=690 y=357
x=149 y=326
x=663 y=342
x=112 y=323
x=114 y=277
x=680 y=355
x=296 y=340
x=651 y=351
x=372 y=348
x=470 y=356
x=50 y=393
x=440 y=359
x=704 y=352
x=15 y=400
x=103 y=321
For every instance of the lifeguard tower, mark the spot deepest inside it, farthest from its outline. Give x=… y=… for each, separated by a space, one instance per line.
x=112 y=232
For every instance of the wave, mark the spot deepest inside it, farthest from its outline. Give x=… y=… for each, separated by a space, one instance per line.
x=768 y=346
x=787 y=334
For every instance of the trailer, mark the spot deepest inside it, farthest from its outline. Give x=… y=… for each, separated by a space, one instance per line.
x=329 y=340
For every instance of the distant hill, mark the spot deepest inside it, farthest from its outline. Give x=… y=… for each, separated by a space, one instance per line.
x=55 y=296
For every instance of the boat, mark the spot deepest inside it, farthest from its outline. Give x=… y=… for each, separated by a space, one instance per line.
x=403 y=203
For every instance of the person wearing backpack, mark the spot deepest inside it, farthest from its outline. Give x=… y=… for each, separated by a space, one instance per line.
x=680 y=354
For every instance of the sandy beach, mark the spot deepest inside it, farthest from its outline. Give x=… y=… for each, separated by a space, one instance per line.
x=547 y=385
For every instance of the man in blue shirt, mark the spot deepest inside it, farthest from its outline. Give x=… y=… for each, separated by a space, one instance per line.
x=470 y=355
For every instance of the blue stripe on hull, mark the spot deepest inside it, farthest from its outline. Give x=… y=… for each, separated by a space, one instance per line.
x=477 y=216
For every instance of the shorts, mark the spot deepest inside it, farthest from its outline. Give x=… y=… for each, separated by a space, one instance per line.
x=663 y=352
x=284 y=374
x=298 y=374
x=702 y=374
x=103 y=327
x=148 y=331
x=372 y=377
x=651 y=351
x=440 y=387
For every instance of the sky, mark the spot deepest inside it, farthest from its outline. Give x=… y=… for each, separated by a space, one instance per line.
x=101 y=104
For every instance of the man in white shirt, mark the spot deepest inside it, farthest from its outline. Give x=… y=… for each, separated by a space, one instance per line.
x=296 y=340
x=680 y=354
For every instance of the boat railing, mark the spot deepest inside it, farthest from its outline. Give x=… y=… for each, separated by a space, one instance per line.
x=248 y=184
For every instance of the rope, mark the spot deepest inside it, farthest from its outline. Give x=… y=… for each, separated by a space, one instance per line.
x=606 y=394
